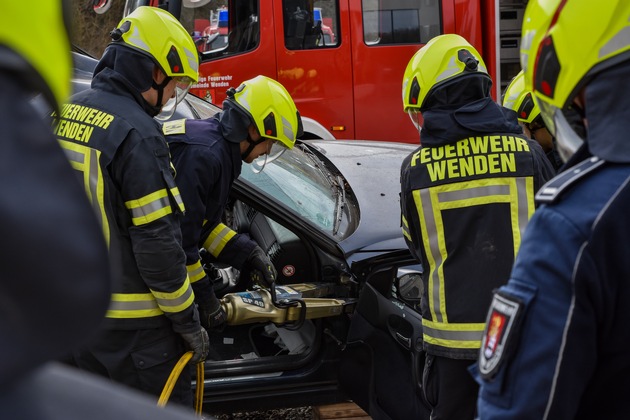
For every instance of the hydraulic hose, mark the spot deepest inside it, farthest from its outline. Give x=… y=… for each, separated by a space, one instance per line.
x=172 y=379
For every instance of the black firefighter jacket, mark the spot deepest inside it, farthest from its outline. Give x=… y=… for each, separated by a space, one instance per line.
x=466 y=196
x=124 y=162
x=206 y=165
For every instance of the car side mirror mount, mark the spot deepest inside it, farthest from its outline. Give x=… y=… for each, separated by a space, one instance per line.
x=408 y=286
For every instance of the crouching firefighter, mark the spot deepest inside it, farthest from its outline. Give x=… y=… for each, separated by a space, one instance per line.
x=259 y=119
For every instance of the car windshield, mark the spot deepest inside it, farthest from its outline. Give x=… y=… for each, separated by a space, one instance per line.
x=299 y=180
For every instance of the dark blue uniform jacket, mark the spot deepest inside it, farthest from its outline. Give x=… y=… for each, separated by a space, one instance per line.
x=206 y=165
x=560 y=344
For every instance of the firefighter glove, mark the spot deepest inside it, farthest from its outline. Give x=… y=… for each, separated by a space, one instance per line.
x=199 y=343
x=262 y=271
x=212 y=315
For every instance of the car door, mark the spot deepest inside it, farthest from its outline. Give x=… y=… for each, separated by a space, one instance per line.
x=382 y=363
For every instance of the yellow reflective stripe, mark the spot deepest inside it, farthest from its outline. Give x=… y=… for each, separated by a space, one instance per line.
x=464 y=336
x=133 y=305
x=86 y=160
x=218 y=238
x=195 y=271
x=177 y=196
x=175 y=301
x=150 y=207
x=432 y=201
x=405 y=228
x=435 y=249
x=524 y=210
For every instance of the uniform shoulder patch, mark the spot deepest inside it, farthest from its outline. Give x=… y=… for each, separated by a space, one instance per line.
x=174 y=127
x=554 y=188
x=503 y=319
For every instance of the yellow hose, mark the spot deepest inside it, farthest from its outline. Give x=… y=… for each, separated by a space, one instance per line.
x=172 y=379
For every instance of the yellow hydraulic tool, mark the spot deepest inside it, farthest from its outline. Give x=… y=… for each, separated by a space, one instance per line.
x=287 y=307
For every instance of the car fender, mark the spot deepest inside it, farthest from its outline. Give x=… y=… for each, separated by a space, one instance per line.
x=314 y=130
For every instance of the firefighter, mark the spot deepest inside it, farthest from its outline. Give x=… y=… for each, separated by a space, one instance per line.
x=467 y=194
x=111 y=137
x=561 y=343
x=55 y=281
x=50 y=235
x=522 y=102
x=258 y=118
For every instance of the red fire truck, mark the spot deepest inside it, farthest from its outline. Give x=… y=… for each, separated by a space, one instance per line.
x=341 y=60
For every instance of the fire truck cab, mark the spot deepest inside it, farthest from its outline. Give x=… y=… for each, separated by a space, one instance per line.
x=341 y=60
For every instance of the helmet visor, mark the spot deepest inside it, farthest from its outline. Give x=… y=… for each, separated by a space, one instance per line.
x=276 y=150
x=182 y=87
x=416 y=119
x=567 y=139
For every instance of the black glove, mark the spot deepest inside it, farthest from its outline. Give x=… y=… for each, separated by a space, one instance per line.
x=261 y=268
x=199 y=343
x=212 y=315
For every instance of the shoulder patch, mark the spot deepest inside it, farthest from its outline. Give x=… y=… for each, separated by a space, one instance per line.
x=557 y=185
x=503 y=320
x=174 y=127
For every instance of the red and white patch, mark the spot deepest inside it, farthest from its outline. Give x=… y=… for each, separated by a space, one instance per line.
x=288 y=270
x=500 y=324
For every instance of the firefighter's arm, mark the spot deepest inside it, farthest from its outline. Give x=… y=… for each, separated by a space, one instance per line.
x=238 y=250
x=228 y=246
x=195 y=179
x=154 y=203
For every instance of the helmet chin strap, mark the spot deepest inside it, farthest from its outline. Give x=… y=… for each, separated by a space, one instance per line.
x=252 y=144
x=160 y=90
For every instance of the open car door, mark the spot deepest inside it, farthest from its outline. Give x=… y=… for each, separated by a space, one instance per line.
x=382 y=364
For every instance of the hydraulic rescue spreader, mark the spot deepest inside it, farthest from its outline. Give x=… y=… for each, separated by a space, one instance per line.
x=287 y=306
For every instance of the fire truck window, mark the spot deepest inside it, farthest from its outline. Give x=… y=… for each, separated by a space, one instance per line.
x=310 y=24
x=401 y=21
x=222 y=28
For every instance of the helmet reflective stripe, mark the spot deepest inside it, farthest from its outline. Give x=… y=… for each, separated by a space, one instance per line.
x=451 y=71
x=136 y=41
x=616 y=43
x=287 y=128
x=193 y=59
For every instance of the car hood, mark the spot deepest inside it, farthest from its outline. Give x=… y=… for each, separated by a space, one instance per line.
x=372 y=169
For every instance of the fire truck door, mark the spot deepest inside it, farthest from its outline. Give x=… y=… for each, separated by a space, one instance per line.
x=314 y=60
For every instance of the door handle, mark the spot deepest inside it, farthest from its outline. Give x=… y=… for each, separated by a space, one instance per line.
x=405 y=341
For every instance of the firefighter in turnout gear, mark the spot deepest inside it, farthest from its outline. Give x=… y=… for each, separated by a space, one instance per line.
x=467 y=194
x=258 y=121
x=522 y=102
x=112 y=139
x=560 y=343
x=54 y=272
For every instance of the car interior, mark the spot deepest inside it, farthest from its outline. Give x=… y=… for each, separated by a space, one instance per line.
x=300 y=269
